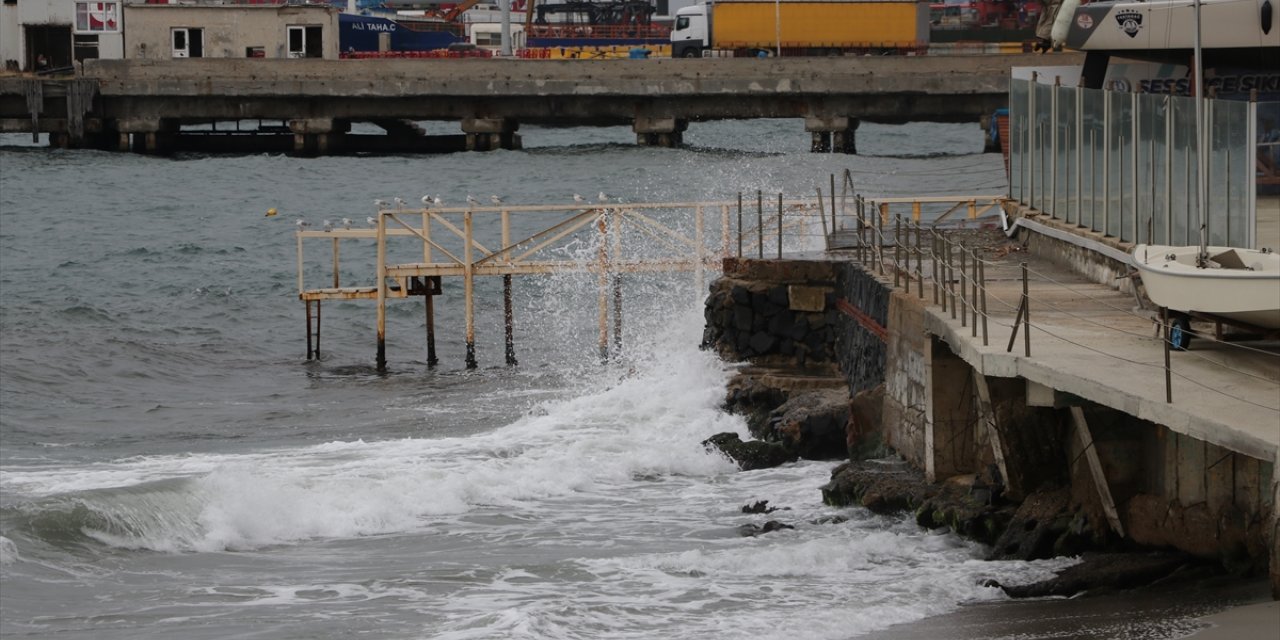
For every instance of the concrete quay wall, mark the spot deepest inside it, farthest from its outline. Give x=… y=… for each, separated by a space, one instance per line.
x=955 y=409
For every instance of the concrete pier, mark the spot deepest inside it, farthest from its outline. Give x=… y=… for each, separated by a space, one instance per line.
x=156 y=102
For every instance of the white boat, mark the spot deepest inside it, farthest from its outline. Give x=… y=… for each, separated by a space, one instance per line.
x=1234 y=284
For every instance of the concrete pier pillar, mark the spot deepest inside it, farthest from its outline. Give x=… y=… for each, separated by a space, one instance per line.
x=488 y=134
x=150 y=135
x=832 y=133
x=318 y=136
x=659 y=131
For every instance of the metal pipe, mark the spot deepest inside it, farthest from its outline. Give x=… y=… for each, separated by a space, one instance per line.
x=973 y=293
x=982 y=277
x=381 y=360
x=779 y=225
x=933 y=260
x=919 y=262
x=508 y=320
x=759 y=224
x=964 y=313
x=318 y=305
x=430 y=308
x=897 y=249
x=1168 y=375
x=335 y=264
x=833 y=203
x=1026 y=314
x=739 y=224
x=307 y=304
x=602 y=289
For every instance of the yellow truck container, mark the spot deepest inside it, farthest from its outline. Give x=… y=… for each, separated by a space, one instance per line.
x=812 y=26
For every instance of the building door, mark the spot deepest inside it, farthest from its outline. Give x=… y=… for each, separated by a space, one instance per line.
x=305 y=42
x=188 y=42
x=53 y=42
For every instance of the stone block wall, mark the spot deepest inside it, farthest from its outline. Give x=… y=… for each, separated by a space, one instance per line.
x=774 y=310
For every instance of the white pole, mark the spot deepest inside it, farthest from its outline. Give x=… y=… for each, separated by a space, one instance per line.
x=506 y=28
x=1201 y=179
x=777 y=27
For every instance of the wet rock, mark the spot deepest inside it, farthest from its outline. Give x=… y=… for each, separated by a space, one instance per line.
x=1110 y=571
x=761 y=506
x=864 y=431
x=752 y=530
x=811 y=423
x=752 y=454
x=883 y=486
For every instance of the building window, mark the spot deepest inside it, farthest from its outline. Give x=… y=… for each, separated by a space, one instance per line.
x=97 y=17
x=305 y=42
x=187 y=42
x=85 y=46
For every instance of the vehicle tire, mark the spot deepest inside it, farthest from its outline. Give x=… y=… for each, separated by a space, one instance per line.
x=1179 y=332
x=692 y=52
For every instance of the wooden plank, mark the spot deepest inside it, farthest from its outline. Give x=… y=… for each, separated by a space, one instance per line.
x=987 y=416
x=1095 y=469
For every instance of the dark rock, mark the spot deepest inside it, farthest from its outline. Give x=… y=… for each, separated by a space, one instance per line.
x=751 y=530
x=780 y=296
x=761 y=506
x=864 y=431
x=752 y=454
x=882 y=486
x=1108 y=571
x=762 y=342
x=812 y=423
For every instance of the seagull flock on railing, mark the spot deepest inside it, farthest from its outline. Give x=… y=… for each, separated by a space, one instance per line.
x=428 y=201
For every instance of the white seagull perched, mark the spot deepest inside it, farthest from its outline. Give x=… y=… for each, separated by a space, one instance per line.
x=426 y=201
x=577 y=197
x=495 y=199
x=381 y=204
x=346 y=223
x=399 y=202
x=302 y=224
x=327 y=225
x=603 y=197
x=472 y=199
x=437 y=200
x=373 y=222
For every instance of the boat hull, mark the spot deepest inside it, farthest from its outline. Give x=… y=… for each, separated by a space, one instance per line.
x=1243 y=287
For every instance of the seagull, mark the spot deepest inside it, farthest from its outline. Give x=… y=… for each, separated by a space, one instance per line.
x=399 y=202
x=271 y=212
x=381 y=204
x=328 y=226
x=437 y=200
x=577 y=197
x=302 y=224
x=495 y=199
x=472 y=199
x=426 y=201
x=603 y=197
x=346 y=223
x=373 y=222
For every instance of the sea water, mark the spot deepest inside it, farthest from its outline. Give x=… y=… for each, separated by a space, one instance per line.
x=174 y=467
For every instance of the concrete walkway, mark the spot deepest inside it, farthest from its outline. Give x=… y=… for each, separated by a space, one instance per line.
x=1093 y=342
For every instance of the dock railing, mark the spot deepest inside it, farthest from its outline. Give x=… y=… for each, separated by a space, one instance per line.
x=958 y=282
x=614 y=238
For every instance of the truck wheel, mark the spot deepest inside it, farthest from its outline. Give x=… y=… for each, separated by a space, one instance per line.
x=692 y=53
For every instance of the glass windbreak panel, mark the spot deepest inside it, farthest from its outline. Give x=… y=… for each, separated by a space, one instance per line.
x=1119 y=169
x=1150 y=211
x=1044 y=143
x=1186 y=221
x=1267 y=161
x=1064 y=185
x=1218 y=166
x=1017 y=121
x=1094 y=145
x=1235 y=142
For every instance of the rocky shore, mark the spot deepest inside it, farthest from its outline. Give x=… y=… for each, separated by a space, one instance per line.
x=813 y=390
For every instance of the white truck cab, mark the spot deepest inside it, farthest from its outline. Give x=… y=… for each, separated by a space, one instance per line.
x=691 y=34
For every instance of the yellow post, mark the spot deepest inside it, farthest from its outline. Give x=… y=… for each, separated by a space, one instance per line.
x=426 y=235
x=335 y=264
x=973 y=209
x=468 y=285
x=915 y=211
x=724 y=230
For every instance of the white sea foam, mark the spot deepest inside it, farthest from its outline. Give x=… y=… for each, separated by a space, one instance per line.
x=8 y=551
